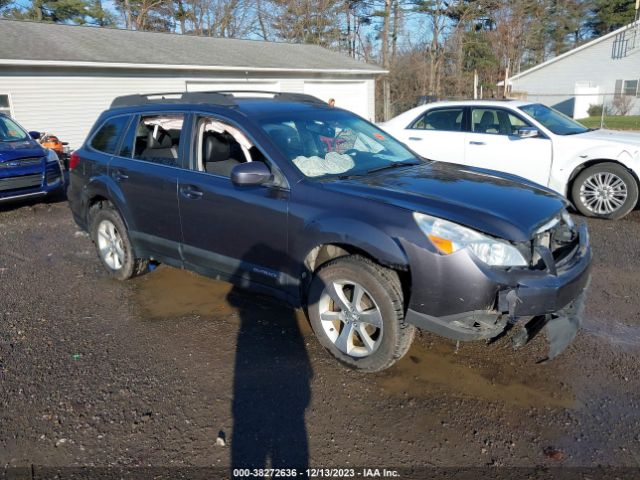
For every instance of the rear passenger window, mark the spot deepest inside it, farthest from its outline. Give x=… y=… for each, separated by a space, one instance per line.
x=443 y=119
x=155 y=138
x=106 y=139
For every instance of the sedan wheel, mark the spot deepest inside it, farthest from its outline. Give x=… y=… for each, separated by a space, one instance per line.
x=605 y=190
x=603 y=193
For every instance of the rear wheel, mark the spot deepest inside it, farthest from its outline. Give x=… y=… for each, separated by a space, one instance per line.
x=605 y=190
x=111 y=239
x=356 y=311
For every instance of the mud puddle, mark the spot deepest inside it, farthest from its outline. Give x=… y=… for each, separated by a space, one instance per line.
x=172 y=293
x=426 y=372
x=615 y=333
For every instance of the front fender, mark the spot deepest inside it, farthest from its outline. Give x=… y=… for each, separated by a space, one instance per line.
x=347 y=231
x=624 y=155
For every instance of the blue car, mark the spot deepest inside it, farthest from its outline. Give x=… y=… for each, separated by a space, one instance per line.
x=26 y=168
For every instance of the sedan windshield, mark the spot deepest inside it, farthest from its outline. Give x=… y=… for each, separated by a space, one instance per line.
x=10 y=131
x=327 y=143
x=555 y=121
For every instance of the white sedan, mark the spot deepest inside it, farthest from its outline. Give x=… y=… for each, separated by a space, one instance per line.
x=596 y=169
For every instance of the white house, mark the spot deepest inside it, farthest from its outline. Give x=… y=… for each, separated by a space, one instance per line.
x=58 y=78
x=596 y=72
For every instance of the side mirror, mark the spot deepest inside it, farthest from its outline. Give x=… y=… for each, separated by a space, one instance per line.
x=250 y=173
x=34 y=135
x=527 y=132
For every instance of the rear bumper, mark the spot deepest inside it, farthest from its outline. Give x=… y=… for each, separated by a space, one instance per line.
x=463 y=299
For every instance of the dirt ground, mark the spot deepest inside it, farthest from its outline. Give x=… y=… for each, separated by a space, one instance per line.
x=174 y=369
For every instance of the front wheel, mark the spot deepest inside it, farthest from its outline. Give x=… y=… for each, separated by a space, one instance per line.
x=356 y=311
x=605 y=190
x=111 y=239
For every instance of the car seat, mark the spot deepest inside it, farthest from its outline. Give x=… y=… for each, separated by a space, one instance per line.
x=487 y=124
x=160 y=149
x=216 y=154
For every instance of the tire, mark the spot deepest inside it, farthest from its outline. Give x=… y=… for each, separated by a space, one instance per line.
x=606 y=190
x=343 y=331
x=111 y=238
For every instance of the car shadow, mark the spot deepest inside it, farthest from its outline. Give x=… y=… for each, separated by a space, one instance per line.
x=272 y=375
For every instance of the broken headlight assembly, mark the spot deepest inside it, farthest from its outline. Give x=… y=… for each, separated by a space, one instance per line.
x=449 y=237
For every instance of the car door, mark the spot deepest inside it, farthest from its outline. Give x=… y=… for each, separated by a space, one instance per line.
x=146 y=172
x=229 y=230
x=493 y=143
x=437 y=134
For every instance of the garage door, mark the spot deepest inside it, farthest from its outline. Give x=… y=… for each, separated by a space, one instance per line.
x=205 y=86
x=348 y=95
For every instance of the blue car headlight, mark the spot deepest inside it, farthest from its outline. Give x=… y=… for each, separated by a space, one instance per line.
x=52 y=157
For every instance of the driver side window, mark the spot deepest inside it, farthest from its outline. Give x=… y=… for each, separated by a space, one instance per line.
x=219 y=147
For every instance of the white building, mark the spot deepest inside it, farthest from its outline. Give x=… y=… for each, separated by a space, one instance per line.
x=58 y=78
x=593 y=73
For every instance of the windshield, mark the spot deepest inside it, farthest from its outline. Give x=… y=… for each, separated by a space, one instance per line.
x=555 y=121
x=10 y=131
x=334 y=142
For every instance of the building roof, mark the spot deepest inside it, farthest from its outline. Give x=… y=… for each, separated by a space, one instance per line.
x=574 y=51
x=48 y=44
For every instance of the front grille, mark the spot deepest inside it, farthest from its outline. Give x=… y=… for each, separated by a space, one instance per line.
x=21 y=162
x=17 y=183
x=52 y=176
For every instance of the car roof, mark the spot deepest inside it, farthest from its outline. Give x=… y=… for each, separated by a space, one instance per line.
x=483 y=103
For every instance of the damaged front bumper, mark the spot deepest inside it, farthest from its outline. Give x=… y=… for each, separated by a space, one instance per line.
x=459 y=297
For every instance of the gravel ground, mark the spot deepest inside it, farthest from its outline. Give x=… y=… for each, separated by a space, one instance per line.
x=173 y=369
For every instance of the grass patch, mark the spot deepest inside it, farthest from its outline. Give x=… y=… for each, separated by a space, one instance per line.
x=631 y=122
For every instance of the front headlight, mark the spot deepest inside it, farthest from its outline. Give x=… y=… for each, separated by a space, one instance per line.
x=449 y=237
x=52 y=156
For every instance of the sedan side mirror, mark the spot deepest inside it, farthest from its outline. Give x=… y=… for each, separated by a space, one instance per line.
x=250 y=173
x=527 y=132
x=34 y=135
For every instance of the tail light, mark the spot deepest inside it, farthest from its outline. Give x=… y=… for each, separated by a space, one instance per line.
x=74 y=160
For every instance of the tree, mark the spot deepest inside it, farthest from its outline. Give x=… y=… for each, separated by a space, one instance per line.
x=609 y=15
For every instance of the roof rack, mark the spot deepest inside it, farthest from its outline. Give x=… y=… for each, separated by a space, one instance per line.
x=283 y=96
x=172 y=97
x=217 y=97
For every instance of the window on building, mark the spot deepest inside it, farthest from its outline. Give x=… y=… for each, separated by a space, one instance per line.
x=5 y=104
x=618 y=89
x=630 y=88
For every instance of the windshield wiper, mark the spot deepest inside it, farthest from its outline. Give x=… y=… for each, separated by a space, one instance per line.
x=406 y=163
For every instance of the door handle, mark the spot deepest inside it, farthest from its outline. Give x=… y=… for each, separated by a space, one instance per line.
x=477 y=143
x=189 y=191
x=415 y=139
x=118 y=176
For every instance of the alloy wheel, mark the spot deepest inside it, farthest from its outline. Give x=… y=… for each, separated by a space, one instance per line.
x=351 y=318
x=603 y=193
x=110 y=245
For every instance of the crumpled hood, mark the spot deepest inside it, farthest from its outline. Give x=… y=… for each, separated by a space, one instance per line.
x=14 y=150
x=499 y=204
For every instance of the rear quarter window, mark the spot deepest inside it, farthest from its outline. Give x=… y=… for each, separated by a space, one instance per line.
x=107 y=137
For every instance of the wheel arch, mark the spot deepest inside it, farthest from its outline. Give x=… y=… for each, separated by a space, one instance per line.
x=99 y=190
x=323 y=253
x=590 y=163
